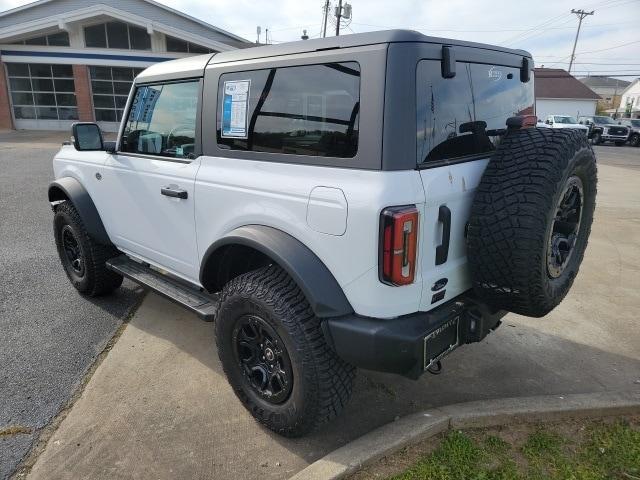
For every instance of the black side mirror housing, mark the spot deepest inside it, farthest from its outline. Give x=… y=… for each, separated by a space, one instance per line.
x=87 y=136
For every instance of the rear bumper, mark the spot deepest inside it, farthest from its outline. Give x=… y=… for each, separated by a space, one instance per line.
x=398 y=345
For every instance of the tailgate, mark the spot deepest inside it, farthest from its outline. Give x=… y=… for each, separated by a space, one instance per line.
x=449 y=192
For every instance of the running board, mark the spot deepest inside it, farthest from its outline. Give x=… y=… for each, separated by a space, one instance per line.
x=190 y=297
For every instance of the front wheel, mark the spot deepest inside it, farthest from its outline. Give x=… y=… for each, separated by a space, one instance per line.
x=275 y=356
x=596 y=139
x=634 y=141
x=82 y=257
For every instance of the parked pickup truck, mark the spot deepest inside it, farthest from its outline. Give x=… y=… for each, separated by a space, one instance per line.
x=604 y=129
x=633 y=124
x=565 y=121
x=374 y=200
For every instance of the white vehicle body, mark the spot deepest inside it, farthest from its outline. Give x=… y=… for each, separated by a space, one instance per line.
x=334 y=212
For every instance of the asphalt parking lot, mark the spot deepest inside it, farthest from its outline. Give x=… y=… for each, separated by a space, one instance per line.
x=173 y=415
x=50 y=336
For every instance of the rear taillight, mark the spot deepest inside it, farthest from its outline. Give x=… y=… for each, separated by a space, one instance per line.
x=398 y=244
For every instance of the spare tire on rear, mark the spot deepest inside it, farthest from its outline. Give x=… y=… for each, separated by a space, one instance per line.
x=531 y=218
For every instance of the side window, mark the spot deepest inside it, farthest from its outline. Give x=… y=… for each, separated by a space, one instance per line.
x=463 y=116
x=162 y=120
x=305 y=110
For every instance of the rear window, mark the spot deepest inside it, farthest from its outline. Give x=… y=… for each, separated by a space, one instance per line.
x=305 y=110
x=462 y=116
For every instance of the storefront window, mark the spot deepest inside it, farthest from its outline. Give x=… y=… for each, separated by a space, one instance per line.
x=110 y=87
x=42 y=91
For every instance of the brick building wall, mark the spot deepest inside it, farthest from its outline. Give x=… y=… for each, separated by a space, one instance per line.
x=83 y=93
x=6 y=119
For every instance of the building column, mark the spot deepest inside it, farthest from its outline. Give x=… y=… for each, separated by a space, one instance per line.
x=6 y=119
x=83 y=93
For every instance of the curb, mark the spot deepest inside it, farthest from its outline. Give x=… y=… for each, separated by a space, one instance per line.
x=414 y=428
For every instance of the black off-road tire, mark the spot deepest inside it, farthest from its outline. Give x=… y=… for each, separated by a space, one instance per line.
x=596 y=139
x=321 y=381
x=634 y=141
x=513 y=218
x=94 y=278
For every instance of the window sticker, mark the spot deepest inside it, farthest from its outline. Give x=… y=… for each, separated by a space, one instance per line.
x=235 y=105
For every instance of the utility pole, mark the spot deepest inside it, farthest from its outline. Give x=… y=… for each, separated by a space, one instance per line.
x=338 y=15
x=581 y=15
x=325 y=17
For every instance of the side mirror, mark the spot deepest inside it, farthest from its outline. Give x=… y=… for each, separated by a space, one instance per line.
x=87 y=136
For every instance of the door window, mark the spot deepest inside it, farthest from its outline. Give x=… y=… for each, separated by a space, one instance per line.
x=305 y=110
x=463 y=116
x=162 y=120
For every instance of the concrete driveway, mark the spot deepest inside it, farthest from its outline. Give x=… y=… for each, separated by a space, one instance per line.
x=159 y=406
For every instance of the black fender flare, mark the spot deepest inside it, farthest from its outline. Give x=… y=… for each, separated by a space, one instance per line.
x=68 y=188
x=318 y=284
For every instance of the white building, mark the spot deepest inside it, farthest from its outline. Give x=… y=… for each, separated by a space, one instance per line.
x=68 y=60
x=559 y=93
x=630 y=101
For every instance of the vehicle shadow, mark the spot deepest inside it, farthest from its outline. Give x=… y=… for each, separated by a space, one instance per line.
x=518 y=359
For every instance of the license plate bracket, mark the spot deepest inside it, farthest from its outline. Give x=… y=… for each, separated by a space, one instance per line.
x=442 y=341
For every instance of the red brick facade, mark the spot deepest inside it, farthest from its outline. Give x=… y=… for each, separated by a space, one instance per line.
x=83 y=93
x=6 y=119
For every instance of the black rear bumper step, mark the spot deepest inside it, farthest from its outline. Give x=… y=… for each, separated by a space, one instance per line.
x=400 y=345
x=190 y=297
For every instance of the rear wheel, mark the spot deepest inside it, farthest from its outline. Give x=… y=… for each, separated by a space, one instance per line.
x=275 y=356
x=83 y=258
x=531 y=220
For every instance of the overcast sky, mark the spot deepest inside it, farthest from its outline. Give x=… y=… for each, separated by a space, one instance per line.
x=609 y=40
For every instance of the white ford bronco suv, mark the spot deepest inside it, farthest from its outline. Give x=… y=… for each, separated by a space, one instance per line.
x=373 y=200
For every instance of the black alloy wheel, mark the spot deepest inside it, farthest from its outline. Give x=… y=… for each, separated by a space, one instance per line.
x=565 y=228
x=73 y=251
x=263 y=359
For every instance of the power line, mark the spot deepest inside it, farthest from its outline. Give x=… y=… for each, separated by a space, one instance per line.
x=610 y=48
x=455 y=30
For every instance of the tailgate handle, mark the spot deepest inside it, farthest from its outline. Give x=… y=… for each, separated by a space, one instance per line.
x=442 y=250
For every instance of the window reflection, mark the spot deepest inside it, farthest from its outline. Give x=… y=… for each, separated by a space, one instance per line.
x=464 y=115
x=306 y=110
x=162 y=120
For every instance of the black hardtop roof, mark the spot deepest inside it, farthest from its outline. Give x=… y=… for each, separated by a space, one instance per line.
x=346 y=41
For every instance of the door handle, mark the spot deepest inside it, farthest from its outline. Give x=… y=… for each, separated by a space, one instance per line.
x=442 y=250
x=174 y=192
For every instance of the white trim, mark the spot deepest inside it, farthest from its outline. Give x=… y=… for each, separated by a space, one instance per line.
x=102 y=9
x=32 y=124
x=579 y=99
x=151 y=2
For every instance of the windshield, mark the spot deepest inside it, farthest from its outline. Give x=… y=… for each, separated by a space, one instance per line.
x=605 y=120
x=565 y=120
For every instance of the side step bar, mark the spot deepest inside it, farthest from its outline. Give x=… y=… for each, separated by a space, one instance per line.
x=190 y=297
